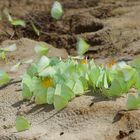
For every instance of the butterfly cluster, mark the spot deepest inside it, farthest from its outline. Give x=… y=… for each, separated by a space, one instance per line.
x=55 y=81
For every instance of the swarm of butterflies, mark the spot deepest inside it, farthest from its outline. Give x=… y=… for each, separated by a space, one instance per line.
x=55 y=81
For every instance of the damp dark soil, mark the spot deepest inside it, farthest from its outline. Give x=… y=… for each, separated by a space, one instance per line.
x=110 y=27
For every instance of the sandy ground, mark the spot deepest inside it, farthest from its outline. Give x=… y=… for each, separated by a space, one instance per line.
x=112 y=28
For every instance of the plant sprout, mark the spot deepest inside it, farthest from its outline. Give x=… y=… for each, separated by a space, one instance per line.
x=15 y=22
x=57 y=10
x=37 y=31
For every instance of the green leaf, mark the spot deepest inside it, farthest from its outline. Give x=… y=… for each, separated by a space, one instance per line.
x=57 y=10
x=36 y=85
x=84 y=82
x=70 y=83
x=26 y=93
x=78 y=88
x=100 y=81
x=32 y=70
x=136 y=63
x=58 y=90
x=82 y=69
x=41 y=49
x=93 y=76
x=123 y=83
x=138 y=96
x=132 y=102
x=18 y=22
x=92 y=64
x=60 y=102
x=129 y=76
x=22 y=124
x=137 y=85
x=62 y=92
x=41 y=96
x=27 y=80
x=4 y=77
x=82 y=46
x=60 y=79
x=128 y=73
x=37 y=32
x=115 y=89
x=131 y=83
x=54 y=61
x=66 y=92
x=50 y=95
x=49 y=71
x=105 y=80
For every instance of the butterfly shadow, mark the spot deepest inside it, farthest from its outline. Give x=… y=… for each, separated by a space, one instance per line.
x=98 y=97
x=41 y=108
x=121 y=113
x=17 y=104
